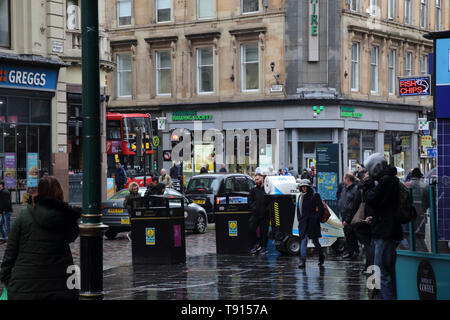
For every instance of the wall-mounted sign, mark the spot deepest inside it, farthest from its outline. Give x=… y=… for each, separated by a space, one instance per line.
x=313 y=35
x=276 y=88
x=423 y=124
x=28 y=78
x=349 y=112
x=57 y=46
x=427 y=141
x=189 y=116
x=432 y=153
x=161 y=123
x=442 y=78
x=414 y=86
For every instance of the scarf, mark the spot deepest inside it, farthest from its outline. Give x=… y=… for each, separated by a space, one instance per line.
x=300 y=203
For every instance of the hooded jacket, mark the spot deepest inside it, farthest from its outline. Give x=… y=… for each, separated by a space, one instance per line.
x=38 y=255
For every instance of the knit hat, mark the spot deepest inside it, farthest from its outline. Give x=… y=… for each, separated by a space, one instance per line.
x=304 y=183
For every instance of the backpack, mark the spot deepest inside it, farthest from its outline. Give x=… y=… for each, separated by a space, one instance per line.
x=406 y=212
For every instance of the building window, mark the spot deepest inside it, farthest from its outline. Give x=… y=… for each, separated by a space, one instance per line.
x=361 y=144
x=355 y=67
x=250 y=67
x=163 y=73
x=163 y=10
x=374 y=69
x=124 y=83
x=438 y=15
x=392 y=71
x=424 y=65
x=408 y=64
x=354 y=5
x=423 y=13
x=205 y=70
x=408 y=9
x=391 y=9
x=205 y=8
x=374 y=7
x=73 y=15
x=5 y=31
x=124 y=12
x=249 y=6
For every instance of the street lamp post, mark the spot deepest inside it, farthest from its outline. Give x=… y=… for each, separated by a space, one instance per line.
x=91 y=227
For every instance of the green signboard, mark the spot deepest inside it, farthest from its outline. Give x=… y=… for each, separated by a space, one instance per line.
x=189 y=116
x=349 y=112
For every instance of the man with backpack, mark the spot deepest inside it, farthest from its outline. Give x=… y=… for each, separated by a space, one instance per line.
x=385 y=202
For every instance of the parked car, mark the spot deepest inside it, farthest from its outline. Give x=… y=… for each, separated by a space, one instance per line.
x=203 y=188
x=116 y=216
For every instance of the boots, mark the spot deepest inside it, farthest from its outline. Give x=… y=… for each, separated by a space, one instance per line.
x=302 y=264
x=321 y=259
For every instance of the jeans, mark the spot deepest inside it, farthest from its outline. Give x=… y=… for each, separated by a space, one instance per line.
x=5 y=220
x=263 y=223
x=384 y=257
x=304 y=247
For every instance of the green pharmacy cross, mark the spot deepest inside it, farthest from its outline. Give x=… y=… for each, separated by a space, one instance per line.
x=318 y=109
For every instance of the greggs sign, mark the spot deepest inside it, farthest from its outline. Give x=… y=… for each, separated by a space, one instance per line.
x=28 y=78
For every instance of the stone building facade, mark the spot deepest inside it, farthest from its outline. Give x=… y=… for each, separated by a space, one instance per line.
x=35 y=41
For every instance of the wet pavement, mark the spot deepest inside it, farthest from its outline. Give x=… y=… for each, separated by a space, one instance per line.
x=208 y=276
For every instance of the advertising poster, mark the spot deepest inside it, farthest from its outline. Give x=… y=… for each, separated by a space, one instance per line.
x=327 y=157
x=150 y=236
x=204 y=154
x=32 y=170
x=110 y=188
x=10 y=170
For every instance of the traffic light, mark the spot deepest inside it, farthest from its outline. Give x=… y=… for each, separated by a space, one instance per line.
x=397 y=145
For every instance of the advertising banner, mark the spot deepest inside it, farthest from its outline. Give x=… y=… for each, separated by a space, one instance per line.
x=327 y=157
x=442 y=78
x=32 y=170
x=10 y=170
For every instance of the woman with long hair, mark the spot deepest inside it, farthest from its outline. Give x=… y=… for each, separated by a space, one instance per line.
x=37 y=256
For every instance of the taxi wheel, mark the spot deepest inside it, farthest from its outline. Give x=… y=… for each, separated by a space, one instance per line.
x=110 y=235
x=200 y=224
x=293 y=246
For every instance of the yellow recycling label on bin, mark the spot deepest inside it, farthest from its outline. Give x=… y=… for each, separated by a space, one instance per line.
x=150 y=236
x=232 y=228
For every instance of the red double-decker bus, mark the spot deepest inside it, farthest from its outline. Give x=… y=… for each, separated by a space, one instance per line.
x=121 y=131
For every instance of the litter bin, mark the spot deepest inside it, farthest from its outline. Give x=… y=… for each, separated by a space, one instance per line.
x=282 y=215
x=157 y=230
x=281 y=193
x=231 y=214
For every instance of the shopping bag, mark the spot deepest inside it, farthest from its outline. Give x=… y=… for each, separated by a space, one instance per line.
x=359 y=215
x=4 y=295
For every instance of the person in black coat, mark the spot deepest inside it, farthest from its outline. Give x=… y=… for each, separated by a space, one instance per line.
x=155 y=189
x=5 y=210
x=120 y=176
x=259 y=216
x=383 y=199
x=174 y=172
x=348 y=204
x=309 y=211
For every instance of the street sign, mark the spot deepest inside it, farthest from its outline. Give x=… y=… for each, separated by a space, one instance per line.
x=427 y=141
x=167 y=155
x=155 y=141
x=432 y=153
x=161 y=123
x=414 y=86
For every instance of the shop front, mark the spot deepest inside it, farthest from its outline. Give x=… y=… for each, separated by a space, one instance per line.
x=25 y=126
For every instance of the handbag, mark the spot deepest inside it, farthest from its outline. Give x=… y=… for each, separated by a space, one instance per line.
x=326 y=212
x=4 y=295
x=359 y=215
